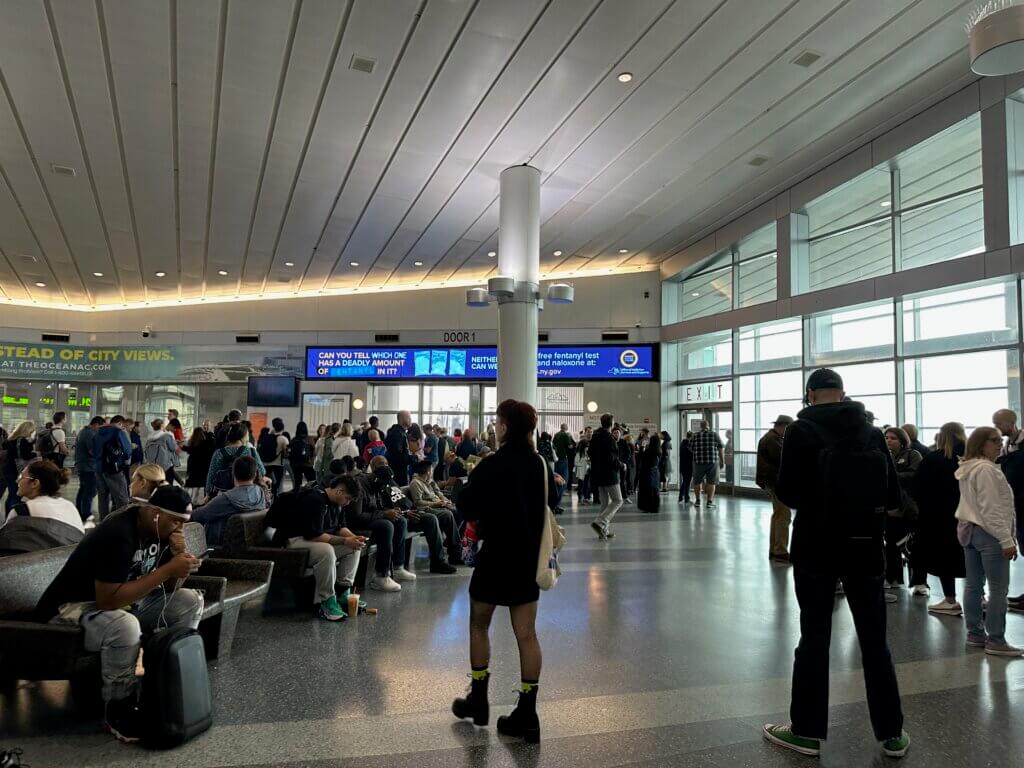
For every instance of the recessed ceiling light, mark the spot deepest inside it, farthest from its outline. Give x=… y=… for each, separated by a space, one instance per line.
x=161 y=274
x=557 y=253
x=222 y=273
x=625 y=77
x=807 y=58
x=695 y=294
x=885 y=203
x=40 y=285
x=289 y=263
x=353 y=263
x=97 y=274
x=417 y=263
x=623 y=250
x=492 y=254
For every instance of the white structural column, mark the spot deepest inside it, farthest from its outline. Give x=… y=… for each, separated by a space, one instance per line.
x=518 y=259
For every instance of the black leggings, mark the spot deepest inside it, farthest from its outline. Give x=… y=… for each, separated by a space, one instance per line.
x=948 y=586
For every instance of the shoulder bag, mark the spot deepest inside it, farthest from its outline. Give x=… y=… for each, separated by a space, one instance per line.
x=551 y=541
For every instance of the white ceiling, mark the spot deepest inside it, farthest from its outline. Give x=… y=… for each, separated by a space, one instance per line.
x=234 y=136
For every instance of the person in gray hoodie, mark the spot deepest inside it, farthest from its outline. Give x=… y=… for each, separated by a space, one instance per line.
x=162 y=449
x=988 y=534
x=246 y=496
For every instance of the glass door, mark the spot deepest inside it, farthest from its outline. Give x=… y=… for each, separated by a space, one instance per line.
x=719 y=419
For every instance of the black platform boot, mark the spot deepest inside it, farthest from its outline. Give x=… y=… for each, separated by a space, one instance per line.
x=523 y=721
x=475 y=704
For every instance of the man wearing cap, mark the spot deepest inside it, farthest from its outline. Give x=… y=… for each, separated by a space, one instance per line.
x=769 y=456
x=838 y=474
x=121 y=581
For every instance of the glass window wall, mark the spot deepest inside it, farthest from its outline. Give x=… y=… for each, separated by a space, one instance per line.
x=706 y=357
x=863 y=332
x=960 y=318
x=770 y=346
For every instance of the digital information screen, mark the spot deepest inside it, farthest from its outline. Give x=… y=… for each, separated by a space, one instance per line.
x=478 y=363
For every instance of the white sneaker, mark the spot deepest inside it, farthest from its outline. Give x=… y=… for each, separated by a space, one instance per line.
x=922 y=590
x=384 y=584
x=403 y=574
x=946 y=608
x=890 y=597
x=892 y=585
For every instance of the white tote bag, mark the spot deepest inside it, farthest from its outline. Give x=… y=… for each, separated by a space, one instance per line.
x=552 y=539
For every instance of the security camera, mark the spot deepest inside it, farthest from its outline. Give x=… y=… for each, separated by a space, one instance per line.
x=147 y=331
x=637 y=325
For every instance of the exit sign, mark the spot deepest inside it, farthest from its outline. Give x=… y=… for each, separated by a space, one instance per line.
x=709 y=392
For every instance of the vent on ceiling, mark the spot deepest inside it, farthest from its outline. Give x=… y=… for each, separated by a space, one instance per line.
x=386 y=338
x=757 y=160
x=63 y=170
x=362 y=64
x=543 y=336
x=60 y=338
x=30 y=258
x=614 y=335
x=807 y=58
x=248 y=339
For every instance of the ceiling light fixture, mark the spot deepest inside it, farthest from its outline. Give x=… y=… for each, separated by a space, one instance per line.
x=695 y=294
x=40 y=285
x=885 y=204
x=623 y=250
x=417 y=263
x=995 y=33
x=161 y=274
x=222 y=273
x=353 y=263
x=492 y=254
x=97 y=274
x=289 y=263
x=556 y=253
x=625 y=77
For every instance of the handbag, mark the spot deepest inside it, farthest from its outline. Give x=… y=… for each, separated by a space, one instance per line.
x=552 y=539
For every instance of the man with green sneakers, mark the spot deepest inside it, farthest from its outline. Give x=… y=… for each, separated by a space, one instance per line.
x=313 y=518
x=838 y=475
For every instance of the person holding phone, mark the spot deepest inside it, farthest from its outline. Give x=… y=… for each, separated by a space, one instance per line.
x=988 y=533
x=123 y=580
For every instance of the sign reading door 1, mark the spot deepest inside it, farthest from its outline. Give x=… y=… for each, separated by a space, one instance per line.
x=709 y=392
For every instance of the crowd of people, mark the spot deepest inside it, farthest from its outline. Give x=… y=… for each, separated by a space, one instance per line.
x=875 y=509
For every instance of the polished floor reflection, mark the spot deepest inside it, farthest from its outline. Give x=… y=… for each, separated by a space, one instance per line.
x=669 y=645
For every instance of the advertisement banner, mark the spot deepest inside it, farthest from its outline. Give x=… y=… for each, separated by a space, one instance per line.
x=149 y=363
x=594 y=362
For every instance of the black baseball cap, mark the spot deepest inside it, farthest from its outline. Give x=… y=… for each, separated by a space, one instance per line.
x=824 y=378
x=172 y=500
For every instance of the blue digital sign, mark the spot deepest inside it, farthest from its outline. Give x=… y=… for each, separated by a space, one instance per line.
x=478 y=363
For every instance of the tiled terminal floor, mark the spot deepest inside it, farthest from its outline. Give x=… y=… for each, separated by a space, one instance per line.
x=668 y=646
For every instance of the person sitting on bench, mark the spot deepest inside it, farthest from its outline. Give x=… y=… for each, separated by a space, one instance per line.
x=430 y=500
x=122 y=581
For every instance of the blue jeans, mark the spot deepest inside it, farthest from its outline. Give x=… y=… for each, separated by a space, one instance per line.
x=86 y=493
x=984 y=560
x=561 y=468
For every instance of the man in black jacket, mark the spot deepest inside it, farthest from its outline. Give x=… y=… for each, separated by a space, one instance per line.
x=604 y=475
x=397 y=443
x=839 y=476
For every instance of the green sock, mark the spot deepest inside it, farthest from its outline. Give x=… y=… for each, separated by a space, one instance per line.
x=479 y=673
x=526 y=687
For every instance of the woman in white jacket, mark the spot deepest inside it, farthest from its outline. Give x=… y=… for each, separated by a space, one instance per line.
x=987 y=531
x=345 y=444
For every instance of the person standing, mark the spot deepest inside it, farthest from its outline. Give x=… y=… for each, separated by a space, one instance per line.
x=300 y=455
x=200 y=448
x=665 y=460
x=113 y=456
x=275 y=466
x=627 y=459
x=937 y=493
x=86 y=466
x=708 y=458
x=648 y=497
x=838 y=475
x=988 y=533
x=505 y=495
x=1005 y=421
x=685 y=467
x=162 y=449
x=52 y=443
x=583 y=488
x=899 y=526
x=397 y=442
x=564 y=447
x=604 y=475
x=769 y=457
x=728 y=458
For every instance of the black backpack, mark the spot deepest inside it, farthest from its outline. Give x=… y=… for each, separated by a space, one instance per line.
x=44 y=443
x=300 y=452
x=853 y=473
x=114 y=459
x=224 y=478
x=283 y=506
x=266 y=447
x=176 y=703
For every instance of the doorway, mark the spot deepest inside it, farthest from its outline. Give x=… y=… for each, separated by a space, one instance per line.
x=719 y=419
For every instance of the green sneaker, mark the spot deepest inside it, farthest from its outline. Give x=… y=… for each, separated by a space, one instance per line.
x=330 y=610
x=896 y=747
x=783 y=736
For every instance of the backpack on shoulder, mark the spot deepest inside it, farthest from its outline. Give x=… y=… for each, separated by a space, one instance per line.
x=45 y=443
x=114 y=458
x=266 y=447
x=854 y=476
x=176 y=703
x=300 y=452
x=224 y=478
x=281 y=508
